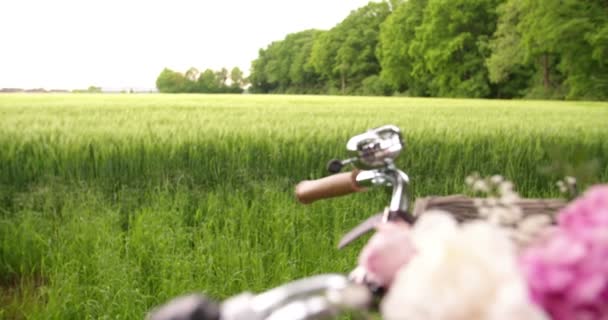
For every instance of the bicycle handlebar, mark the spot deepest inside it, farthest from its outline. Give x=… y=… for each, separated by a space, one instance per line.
x=336 y=185
x=322 y=295
x=308 y=298
x=192 y=307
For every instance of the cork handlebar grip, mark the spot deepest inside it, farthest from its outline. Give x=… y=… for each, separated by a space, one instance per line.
x=336 y=185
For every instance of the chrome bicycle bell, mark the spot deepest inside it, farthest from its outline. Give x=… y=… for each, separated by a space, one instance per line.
x=374 y=149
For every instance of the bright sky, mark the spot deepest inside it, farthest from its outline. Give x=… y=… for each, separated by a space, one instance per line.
x=69 y=44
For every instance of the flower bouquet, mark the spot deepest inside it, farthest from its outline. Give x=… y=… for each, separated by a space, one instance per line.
x=496 y=257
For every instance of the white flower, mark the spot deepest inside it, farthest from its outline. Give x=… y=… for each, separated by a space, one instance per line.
x=516 y=213
x=470 y=180
x=534 y=224
x=494 y=218
x=570 y=180
x=478 y=202
x=480 y=186
x=509 y=198
x=505 y=187
x=531 y=228
x=496 y=179
x=491 y=201
x=507 y=215
x=467 y=272
x=562 y=186
x=484 y=212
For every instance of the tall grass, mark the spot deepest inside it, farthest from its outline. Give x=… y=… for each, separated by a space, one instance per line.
x=112 y=204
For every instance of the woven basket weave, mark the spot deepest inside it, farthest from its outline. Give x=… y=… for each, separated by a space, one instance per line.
x=463 y=208
x=536 y=215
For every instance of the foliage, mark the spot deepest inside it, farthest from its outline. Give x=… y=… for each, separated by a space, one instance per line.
x=375 y=86
x=209 y=82
x=481 y=48
x=170 y=81
x=565 y=41
x=451 y=45
x=396 y=58
x=577 y=26
x=90 y=89
x=237 y=78
x=283 y=66
x=507 y=66
x=334 y=61
x=345 y=55
x=193 y=81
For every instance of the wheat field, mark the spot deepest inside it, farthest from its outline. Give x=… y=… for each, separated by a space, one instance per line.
x=111 y=204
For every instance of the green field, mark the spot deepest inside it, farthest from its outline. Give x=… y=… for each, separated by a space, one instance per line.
x=111 y=204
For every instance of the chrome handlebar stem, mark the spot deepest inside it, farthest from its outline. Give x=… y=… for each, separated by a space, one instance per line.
x=309 y=298
x=389 y=177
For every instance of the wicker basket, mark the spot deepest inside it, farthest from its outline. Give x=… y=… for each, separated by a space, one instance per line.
x=463 y=208
x=535 y=215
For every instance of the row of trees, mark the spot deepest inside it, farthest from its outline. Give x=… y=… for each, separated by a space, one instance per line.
x=448 y=48
x=208 y=81
x=340 y=60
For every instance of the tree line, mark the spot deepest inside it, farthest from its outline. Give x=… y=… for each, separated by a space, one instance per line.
x=208 y=81
x=447 y=48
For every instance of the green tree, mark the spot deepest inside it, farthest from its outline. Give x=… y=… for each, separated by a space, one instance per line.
x=375 y=86
x=303 y=77
x=208 y=82
x=571 y=32
x=192 y=81
x=323 y=57
x=170 y=81
x=507 y=65
x=452 y=44
x=538 y=46
x=393 y=50
x=345 y=55
x=222 y=77
x=562 y=44
x=283 y=66
x=236 y=77
x=94 y=89
x=237 y=81
x=192 y=74
x=257 y=78
x=278 y=63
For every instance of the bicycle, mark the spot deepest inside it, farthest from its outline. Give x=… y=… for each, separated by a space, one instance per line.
x=373 y=155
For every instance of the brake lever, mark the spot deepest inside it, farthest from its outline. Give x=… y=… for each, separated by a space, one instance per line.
x=361 y=229
x=370 y=224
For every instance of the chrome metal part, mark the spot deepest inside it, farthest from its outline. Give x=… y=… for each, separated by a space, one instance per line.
x=240 y=307
x=376 y=148
x=371 y=178
x=400 y=194
x=311 y=308
x=390 y=177
x=351 y=297
x=308 y=298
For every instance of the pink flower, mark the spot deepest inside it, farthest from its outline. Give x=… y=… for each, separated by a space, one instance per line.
x=567 y=271
x=587 y=216
x=387 y=250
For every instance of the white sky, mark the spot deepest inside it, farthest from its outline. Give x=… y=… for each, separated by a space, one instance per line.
x=71 y=44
